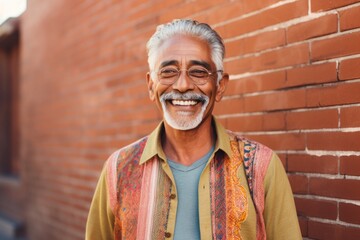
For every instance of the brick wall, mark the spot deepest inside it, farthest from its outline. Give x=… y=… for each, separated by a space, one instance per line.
x=295 y=86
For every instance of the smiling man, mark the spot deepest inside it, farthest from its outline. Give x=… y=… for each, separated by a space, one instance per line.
x=191 y=178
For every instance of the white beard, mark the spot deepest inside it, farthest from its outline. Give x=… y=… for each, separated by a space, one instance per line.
x=183 y=121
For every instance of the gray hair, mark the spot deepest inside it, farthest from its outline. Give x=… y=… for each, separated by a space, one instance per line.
x=187 y=27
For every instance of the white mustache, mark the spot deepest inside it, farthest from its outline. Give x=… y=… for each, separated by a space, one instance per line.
x=184 y=96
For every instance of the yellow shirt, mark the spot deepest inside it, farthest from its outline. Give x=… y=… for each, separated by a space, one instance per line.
x=107 y=219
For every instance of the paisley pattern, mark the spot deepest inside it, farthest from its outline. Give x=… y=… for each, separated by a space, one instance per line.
x=249 y=154
x=226 y=188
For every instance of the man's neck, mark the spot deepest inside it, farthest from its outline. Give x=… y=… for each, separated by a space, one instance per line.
x=186 y=147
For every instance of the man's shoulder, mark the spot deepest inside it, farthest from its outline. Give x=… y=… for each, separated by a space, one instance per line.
x=131 y=152
x=242 y=140
x=134 y=147
x=253 y=152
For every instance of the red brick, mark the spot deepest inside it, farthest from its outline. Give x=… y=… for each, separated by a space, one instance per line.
x=142 y=13
x=336 y=94
x=312 y=74
x=336 y=188
x=349 y=18
x=231 y=10
x=257 y=83
x=138 y=3
x=303 y=222
x=349 y=213
x=313 y=28
x=343 y=45
x=323 y=5
x=316 y=208
x=271 y=121
x=312 y=164
x=245 y=123
x=266 y=18
x=278 y=58
x=229 y=106
x=274 y=121
x=299 y=184
x=312 y=119
x=275 y=101
x=186 y=9
x=281 y=141
x=328 y=231
x=287 y=56
x=350 y=117
x=145 y=128
x=349 y=69
x=255 y=43
x=350 y=165
x=337 y=141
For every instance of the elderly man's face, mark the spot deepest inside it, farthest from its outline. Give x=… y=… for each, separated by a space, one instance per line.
x=185 y=104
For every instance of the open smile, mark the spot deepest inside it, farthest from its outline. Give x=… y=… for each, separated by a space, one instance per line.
x=177 y=102
x=188 y=99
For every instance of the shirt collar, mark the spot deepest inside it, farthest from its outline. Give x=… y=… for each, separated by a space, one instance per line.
x=223 y=139
x=153 y=145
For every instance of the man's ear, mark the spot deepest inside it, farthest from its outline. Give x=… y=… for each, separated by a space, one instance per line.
x=222 y=87
x=150 y=84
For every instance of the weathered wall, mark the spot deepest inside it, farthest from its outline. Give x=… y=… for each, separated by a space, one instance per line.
x=11 y=192
x=295 y=86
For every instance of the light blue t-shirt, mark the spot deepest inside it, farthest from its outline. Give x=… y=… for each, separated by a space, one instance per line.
x=187 y=181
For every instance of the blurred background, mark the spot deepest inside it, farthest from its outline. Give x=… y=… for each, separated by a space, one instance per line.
x=73 y=90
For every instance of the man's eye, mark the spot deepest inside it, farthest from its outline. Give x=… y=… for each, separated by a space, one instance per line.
x=199 y=73
x=171 y=72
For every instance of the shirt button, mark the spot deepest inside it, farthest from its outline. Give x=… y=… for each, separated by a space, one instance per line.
x=172 y=196
x=167 y=235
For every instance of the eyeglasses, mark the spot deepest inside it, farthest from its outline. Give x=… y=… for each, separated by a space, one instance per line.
x=198 y=75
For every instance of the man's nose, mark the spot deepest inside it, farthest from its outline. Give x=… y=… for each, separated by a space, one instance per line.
x=184 y=82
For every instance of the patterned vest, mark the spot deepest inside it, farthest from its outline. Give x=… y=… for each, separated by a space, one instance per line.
x=140 y=195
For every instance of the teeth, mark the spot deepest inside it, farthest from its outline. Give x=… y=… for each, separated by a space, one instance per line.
x=184 y=102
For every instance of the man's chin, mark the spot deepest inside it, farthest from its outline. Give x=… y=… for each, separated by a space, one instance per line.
x=182 y=123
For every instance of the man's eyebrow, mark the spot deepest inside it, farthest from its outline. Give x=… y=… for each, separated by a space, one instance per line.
x=201 y=63
x=192 y=62
x=168 y=63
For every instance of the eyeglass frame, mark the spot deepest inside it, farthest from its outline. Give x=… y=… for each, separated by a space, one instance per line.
x=179 y=70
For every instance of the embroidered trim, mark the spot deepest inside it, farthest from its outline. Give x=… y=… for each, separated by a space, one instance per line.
x=236 y=200
x=249 y=156
x=226 y=188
